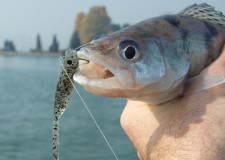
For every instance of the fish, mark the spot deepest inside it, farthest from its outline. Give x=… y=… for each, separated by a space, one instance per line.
x=64 y=88
x=152 y=61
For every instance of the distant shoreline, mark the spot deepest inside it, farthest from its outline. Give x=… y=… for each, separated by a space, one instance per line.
x=49 y=54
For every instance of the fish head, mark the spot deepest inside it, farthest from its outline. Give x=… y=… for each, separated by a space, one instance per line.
x=121 y=64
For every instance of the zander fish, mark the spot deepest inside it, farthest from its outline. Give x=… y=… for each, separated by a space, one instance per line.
x=152 y=60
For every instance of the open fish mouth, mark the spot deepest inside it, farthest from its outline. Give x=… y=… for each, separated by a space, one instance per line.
x=95 y=72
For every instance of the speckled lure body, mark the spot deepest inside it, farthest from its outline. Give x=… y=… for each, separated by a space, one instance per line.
x=64 y=90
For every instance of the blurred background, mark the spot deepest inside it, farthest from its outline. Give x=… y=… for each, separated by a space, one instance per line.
x=33 y=34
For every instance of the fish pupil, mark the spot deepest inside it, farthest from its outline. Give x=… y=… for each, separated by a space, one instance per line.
x=130 y=52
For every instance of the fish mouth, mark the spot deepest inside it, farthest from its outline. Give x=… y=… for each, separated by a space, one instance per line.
x=96 y=73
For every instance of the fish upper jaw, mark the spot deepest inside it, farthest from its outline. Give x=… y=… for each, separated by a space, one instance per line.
x=98 y=73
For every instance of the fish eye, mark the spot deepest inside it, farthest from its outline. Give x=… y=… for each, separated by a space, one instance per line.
x=129 y=49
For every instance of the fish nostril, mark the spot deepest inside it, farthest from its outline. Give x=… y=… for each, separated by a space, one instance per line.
x=99 y=37
x=77 y=49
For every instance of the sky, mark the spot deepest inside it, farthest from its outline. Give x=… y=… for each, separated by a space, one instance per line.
x=22 y=20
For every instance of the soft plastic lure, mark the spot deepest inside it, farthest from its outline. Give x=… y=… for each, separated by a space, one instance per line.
x=64 y=90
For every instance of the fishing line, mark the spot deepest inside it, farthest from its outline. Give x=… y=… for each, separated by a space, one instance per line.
x=88 y=110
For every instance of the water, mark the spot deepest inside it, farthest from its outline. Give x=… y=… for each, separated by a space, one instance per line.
x=27 y=86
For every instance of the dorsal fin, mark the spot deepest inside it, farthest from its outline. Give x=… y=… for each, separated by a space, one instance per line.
x=204 y=12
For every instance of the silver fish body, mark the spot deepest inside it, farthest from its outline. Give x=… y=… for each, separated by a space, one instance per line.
x=152 y=60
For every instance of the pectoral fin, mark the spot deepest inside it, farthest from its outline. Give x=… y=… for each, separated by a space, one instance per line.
x=199 y=83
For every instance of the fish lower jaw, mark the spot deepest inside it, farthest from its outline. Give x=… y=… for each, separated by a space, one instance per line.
x=110 y=82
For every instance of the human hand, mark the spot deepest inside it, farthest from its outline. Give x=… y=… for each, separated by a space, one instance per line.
x=189 y=127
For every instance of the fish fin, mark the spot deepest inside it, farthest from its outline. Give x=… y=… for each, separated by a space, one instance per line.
x=199 y=83
x=204 y=12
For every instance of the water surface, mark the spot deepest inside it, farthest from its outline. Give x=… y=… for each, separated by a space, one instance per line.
x=27 y=89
